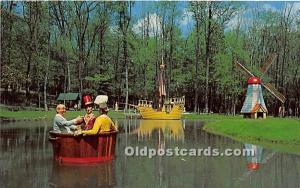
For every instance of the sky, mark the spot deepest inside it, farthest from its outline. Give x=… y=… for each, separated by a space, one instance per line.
x=186 y=22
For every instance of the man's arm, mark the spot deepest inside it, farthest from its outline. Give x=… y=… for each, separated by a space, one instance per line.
x=95 y=128
x=63 y=121
x=113 y=126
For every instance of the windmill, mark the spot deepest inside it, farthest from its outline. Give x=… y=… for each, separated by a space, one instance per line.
x=254 y=105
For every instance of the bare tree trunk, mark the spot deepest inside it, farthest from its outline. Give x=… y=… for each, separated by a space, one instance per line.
x=208 y=38
x=65 y=81
x=80 y=62
x=69 y=75
x=46 y=76
x=48 y=61
x=126 y=78
x=39 y=94
x=198 y=11
x=171 y=49
x=32 y=23
x=196 y=84
x=124 y=21
x=28 y=79
x=10 y=30
x=125 y=53
x=117 y=81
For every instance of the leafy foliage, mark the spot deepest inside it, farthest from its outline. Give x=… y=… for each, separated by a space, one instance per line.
x=92 y=44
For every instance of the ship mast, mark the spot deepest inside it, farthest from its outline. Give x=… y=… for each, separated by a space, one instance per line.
x=161 y=84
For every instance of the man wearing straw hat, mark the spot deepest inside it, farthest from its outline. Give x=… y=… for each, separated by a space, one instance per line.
x=103 y=123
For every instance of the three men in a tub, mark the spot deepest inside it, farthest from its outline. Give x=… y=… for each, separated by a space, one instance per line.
x=103 y=123
x=61 y=124
x=89 y=118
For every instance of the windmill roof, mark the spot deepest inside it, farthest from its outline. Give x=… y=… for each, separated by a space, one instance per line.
x=254 y=80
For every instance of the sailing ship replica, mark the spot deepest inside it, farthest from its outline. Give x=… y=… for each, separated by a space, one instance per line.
x=168 y=108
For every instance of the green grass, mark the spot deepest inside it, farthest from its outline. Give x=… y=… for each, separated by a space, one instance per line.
x=281 y=134
x=277 y=133
x=271 y=129
x=209 y=117
x=24 y=114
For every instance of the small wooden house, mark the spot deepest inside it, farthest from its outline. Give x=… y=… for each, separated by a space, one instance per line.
x=71 y=100
x=254 y=104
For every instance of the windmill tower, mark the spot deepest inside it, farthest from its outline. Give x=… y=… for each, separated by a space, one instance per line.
x=254 y=105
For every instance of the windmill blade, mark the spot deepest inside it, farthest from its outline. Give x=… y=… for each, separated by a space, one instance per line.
x=268 y=63
x=274 y=92
x=243 y=68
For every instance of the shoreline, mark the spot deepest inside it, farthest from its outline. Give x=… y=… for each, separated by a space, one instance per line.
x=9 y=119
x=282 y=134
x=274 y=133
x=14 y=116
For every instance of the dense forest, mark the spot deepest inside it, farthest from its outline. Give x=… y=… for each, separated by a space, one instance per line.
x=115 y=48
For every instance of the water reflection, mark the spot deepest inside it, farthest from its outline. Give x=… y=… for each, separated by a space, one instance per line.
x=254 y=157
x=198 y=171
x=26 y=160
x=170 y=129
x=96 y=175
x=24 y=154
x=165 y=130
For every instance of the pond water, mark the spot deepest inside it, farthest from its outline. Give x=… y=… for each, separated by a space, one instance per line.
x=26 y=160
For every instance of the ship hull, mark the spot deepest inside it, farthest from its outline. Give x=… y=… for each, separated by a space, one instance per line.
x=150 y=113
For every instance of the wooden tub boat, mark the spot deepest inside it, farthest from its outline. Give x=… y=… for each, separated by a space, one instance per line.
x=83 y=149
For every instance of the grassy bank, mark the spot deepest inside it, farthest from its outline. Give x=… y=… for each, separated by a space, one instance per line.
x=27 y=115
x=276 y=133
x=208 y=117
x=33 y=114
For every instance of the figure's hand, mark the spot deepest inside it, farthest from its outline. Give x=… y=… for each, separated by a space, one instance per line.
x=116 y=125
x=77 y=133
x=79 y=127
x=79 y=120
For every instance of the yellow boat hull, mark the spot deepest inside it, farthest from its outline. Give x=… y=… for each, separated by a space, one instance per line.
x=150 y=113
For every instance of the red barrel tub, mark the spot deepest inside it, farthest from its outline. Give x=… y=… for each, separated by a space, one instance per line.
x=83 y=149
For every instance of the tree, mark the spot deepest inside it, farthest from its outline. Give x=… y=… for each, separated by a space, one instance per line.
x=198 y=9
x=124 y=21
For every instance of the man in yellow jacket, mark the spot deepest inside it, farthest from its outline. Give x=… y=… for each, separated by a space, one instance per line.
x=103 y=123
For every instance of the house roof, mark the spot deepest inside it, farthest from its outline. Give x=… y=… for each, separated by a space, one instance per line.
x=68 y=97
x=257 y=107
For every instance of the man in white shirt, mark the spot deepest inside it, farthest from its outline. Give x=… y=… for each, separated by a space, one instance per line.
x=60 y=123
